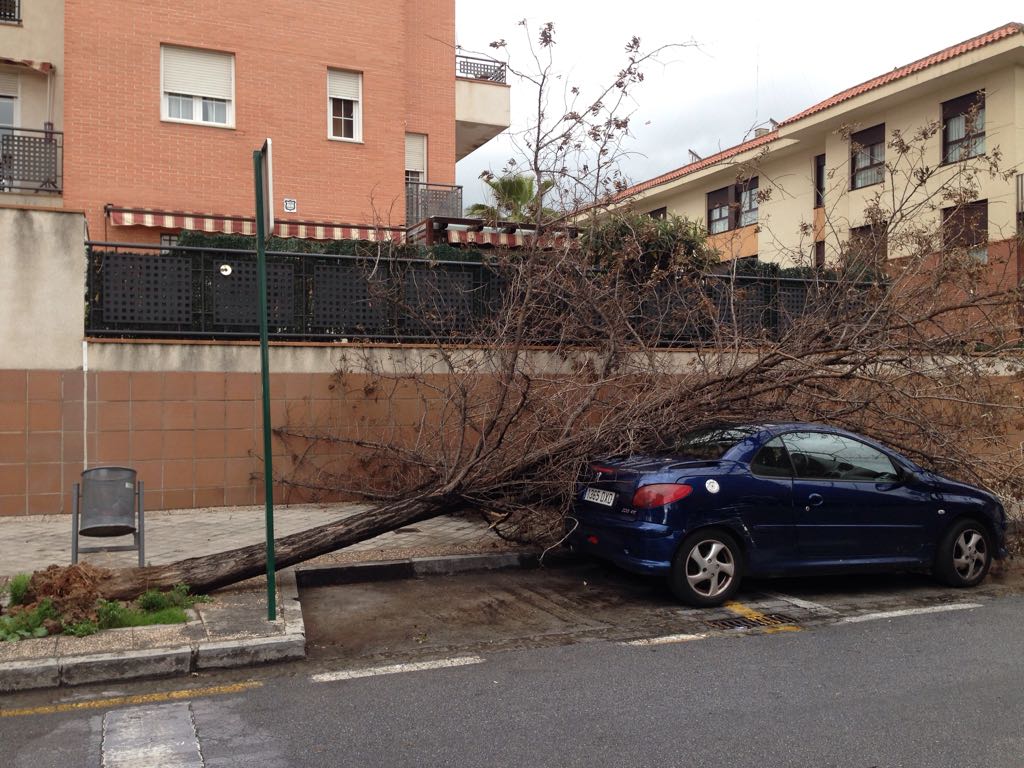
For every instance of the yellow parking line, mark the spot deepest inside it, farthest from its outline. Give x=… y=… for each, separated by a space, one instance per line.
x=144 y=698
x=749 y=613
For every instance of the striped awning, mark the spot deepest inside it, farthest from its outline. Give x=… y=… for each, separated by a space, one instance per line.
x=39 y=66
x=243 y=225
x=506 y=240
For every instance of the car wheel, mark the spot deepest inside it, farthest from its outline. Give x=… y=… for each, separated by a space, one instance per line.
x=707 y=568
x=964 y=555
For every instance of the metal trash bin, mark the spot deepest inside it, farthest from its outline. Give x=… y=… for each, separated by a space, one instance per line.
x=108 y=502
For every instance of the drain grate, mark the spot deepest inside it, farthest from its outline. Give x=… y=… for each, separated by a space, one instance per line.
x=768 y=620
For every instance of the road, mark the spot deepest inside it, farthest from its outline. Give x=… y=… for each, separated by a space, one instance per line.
x=929 y=683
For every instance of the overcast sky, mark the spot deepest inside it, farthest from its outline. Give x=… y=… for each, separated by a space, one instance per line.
x=753 y=61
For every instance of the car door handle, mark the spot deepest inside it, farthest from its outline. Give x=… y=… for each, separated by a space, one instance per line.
x=814 y=500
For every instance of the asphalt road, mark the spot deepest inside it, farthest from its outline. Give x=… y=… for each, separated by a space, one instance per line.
x=935 y=689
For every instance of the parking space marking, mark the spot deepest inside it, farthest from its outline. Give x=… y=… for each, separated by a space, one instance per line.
x=908 y=612
x=664 y=640
x=392 y=669
x=807 y=605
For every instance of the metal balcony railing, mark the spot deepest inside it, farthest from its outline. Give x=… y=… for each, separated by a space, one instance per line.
x=479 y=69
x=423 y=200
x=31 y=160
x=10 y=11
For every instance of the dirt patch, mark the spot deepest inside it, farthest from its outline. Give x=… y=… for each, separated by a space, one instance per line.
x=72 y=589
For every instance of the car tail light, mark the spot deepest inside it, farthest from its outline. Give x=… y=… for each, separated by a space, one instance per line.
x=659 y=494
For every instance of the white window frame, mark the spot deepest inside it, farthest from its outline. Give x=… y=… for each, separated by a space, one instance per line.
x=197 y=101
x=357 y=112
x=16 y=98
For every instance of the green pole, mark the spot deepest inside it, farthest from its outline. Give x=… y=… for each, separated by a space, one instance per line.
x=268 y=464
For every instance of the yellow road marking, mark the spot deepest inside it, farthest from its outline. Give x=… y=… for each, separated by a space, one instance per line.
x=121 y=701
x=749 y=613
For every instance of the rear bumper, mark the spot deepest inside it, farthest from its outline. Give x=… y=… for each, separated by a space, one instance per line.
x=639 y=547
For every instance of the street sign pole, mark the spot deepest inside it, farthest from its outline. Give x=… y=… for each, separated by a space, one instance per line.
x=262 y=174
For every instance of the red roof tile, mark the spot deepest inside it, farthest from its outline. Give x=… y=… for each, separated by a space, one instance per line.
x=1003 y=32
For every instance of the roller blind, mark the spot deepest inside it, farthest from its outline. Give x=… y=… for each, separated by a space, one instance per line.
x=8 y=84
x=416 y=152
x=196 y=72
x=343 y=85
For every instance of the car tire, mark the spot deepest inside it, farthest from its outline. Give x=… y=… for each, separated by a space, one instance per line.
x=964 y=554
x=707 y=568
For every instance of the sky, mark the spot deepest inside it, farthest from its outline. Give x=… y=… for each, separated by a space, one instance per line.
x=751 y=61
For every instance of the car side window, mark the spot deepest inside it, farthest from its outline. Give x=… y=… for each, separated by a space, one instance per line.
x=772 y=460
x=821 y=456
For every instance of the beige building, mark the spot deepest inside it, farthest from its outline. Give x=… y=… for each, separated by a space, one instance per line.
x=31 y=101
x=794 y=194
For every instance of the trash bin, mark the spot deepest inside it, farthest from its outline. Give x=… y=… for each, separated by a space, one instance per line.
x=108 y=502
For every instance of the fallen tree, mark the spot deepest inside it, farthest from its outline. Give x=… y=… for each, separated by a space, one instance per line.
x=634 y=334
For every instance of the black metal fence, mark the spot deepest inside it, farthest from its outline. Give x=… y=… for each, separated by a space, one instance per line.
x=425 y=199
x=480 y=69
x=202 y=293
x=31 y=160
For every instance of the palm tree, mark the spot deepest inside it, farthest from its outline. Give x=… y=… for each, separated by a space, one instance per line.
x=515 y=199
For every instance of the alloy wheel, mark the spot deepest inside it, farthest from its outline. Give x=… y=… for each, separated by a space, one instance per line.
x=710 y=568
x=970 y=554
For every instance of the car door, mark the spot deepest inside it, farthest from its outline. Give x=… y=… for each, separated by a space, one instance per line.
x=851 y=503
x=767 y=504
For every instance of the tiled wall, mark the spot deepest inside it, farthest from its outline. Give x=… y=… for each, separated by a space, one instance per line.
x=194 y=438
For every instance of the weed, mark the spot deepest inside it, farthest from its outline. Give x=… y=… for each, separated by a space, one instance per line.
x=153 y=600
x=27 y=623
x=17 y=587
x=112 y=614
x=82 y=628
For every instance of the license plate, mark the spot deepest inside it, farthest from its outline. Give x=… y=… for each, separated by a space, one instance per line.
x=598 y=496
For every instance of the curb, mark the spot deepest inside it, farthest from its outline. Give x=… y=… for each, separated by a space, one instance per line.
x=420 y=567
x=178 y=661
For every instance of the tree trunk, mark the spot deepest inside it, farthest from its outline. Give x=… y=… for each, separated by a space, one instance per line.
x=209 y=572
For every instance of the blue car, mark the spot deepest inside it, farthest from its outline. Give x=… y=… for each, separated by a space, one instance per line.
x=781 y=500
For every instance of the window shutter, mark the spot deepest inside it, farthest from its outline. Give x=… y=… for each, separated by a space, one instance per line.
x=869 y=136
x=195 y=72
x=343 y=85
x=8 y=84
x=718 y=198
x=416 y=152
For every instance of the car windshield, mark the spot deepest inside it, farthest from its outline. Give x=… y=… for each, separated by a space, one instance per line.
x=712 y=443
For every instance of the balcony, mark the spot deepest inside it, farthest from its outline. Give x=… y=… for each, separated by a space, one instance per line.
x=31 y=160
x=482 y=103
x=423 y=200
x=10 y=11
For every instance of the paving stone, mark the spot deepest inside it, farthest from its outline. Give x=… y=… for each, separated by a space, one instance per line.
x=42 y=647
x=102 y=642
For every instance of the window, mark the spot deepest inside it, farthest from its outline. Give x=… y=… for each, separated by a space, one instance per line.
x=963 y=127
x=344 y=94
x=718 y=210
x=10 y=11
x=867 y=158
x=415 y=157
x=198 y=86
x=8 y=102
x=819 y=254
x=820 y=456
x=659 y=213
x=748 y=202
x=711 y=443
x=966 y=227
x=772 y=460
x=869 y=244
x=819 y=181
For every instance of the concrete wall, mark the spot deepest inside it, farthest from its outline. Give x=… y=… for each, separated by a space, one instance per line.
x=786 y=168
x=42 y=294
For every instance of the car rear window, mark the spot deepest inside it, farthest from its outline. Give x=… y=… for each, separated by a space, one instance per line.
x=712 y=443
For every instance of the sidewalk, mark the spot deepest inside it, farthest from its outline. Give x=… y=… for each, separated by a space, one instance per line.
x=31 y=543
x=232 y=630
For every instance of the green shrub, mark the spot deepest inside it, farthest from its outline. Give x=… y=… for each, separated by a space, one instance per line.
x=82 y=628
x=17 y=587
x=26 y=624
x=153 y=600
x=112 y=615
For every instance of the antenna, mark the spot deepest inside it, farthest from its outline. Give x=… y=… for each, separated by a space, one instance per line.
x=694 y=157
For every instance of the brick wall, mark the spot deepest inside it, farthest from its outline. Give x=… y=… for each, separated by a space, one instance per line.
x=119 y=151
